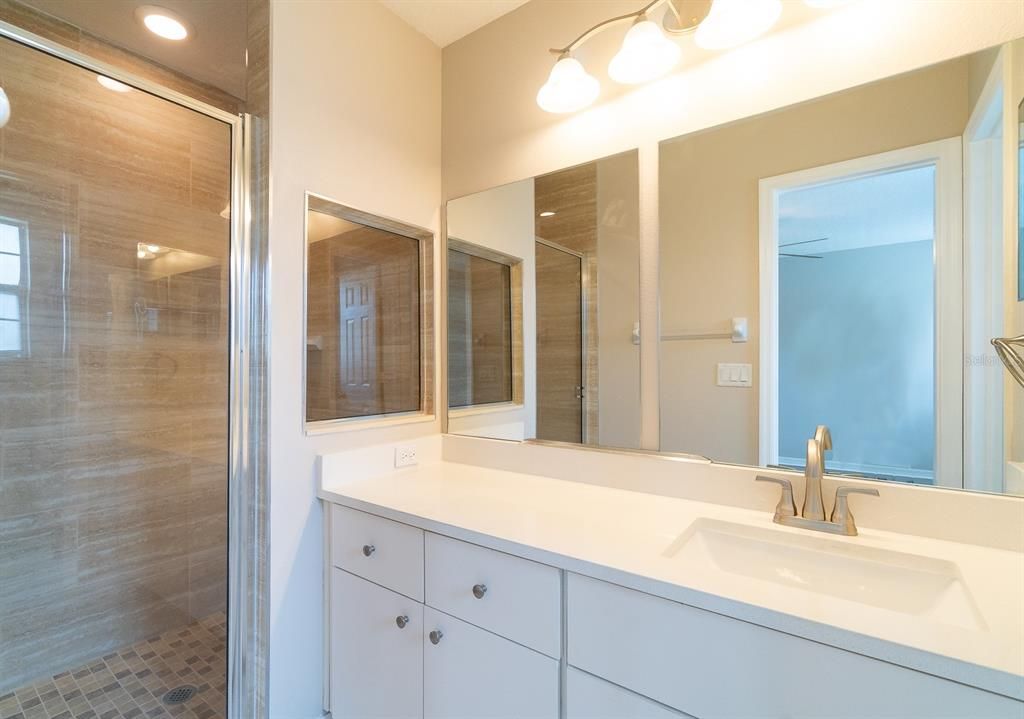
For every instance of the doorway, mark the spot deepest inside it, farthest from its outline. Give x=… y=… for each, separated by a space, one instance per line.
x=560 y=343
x=861 y=303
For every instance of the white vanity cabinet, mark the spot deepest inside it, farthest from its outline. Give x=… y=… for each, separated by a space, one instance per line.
x=713 y=667
x=423 y=625
x=376 y=650
x=588 y=697
x=473 y=674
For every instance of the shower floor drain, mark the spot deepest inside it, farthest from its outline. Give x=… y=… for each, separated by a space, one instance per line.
x=180 y=695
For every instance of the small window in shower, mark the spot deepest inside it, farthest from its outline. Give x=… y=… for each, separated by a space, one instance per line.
x=13 y=287
x=368 y=315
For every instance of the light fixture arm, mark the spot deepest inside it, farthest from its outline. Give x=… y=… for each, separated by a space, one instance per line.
x=630 y=17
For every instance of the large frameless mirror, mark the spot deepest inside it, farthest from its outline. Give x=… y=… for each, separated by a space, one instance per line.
x=860 y=236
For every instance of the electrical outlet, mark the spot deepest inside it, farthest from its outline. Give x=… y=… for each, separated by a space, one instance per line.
x=405 y=455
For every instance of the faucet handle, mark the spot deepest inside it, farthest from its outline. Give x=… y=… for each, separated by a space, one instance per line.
x=786 y=506
x=841 y=513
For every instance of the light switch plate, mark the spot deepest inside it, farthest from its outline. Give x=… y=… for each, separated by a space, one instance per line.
x=735 y=375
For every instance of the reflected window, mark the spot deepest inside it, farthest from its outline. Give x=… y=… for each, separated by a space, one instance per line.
x=365 y=315
x=13 y=287
x=479 y=330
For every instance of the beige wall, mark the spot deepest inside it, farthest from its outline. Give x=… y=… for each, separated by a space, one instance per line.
x=494 y=133
x=618 y=267
x=709 y=233
x=355 y=101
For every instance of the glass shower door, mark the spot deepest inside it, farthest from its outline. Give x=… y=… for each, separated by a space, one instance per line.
x=114 y=277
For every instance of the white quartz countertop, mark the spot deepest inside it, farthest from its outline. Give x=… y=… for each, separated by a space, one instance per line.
x=624 y=537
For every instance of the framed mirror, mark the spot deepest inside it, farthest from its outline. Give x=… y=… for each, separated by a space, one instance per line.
x=369 y=317
x=861 y=236
x=543 y=307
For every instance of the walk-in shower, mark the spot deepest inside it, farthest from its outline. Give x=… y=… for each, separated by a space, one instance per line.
x=115 y=366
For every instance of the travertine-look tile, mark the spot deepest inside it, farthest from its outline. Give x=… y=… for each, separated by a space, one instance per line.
x=113 y=434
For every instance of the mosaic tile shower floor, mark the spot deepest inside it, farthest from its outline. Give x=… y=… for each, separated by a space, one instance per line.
x=130 y=683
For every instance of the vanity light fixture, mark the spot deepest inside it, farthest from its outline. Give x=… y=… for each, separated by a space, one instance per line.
x=646 y=51
x=569 y=88
x=734 y=22
x=112 y=84
x=161 y=21
x=645 y=54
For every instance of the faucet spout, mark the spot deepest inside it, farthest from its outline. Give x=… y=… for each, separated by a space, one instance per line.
x=814 y=507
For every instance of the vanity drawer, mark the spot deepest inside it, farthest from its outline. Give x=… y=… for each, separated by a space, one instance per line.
x=711 y=666
x=518 y=599
x=387 y=553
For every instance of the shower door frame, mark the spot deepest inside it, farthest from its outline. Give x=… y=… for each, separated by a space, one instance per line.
x=246 y=613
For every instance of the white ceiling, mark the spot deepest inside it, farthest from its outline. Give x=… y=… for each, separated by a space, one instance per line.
x=864 y=212
x=214 y=54
x=445 y=21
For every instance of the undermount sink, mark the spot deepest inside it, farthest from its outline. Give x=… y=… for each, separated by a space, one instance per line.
x=907 y=583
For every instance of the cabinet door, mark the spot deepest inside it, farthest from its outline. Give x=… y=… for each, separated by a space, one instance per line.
x=376 y=665
x=588 y=697
x=470 y=673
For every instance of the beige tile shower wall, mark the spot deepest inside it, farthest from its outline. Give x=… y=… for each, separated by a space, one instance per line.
x=74 y=38
x=709 y=233
x=392 y=259
x=113 y=434
x=573 y=193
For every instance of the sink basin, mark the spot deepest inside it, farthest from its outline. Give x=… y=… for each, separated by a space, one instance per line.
x=910 y=584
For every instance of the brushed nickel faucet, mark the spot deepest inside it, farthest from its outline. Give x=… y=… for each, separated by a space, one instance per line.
x=812 y=515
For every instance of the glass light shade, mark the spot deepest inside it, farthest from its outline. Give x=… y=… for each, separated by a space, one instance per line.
x=734 y=22
x=569 y=88
x=645 y=54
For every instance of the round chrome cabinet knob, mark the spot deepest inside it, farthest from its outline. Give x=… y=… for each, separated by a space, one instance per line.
x=435 y=636
x=479 y=590
x=368 y=549
x=402 y=621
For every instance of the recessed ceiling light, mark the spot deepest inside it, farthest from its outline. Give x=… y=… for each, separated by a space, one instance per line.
x=161 y=21
x=547 y=214
x=112 y=84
